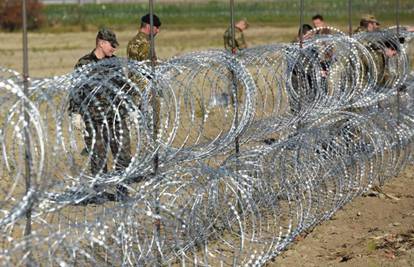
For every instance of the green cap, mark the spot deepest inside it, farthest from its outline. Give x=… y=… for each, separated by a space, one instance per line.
x=108 y=35
x=369 y=18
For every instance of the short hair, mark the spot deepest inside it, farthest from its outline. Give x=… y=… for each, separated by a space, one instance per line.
x=305 y=28
x=364 y=23
x=147 y=18
x=392 y=44
x=317 y=16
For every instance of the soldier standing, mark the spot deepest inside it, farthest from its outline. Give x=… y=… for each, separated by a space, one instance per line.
x=368 y=23
x=240 y=42
x=319 y=23
x=92 y=106
x=139 y=47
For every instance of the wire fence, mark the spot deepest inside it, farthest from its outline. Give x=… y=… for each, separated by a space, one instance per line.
x=317 y=126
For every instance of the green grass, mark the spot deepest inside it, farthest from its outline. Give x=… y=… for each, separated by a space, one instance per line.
x=216 y=13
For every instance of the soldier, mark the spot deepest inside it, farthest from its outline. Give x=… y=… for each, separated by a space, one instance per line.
x=304 y=83
x=93 y=107
x=368 y=23
x=139 y=47
x=382 y=56
x=319 y=22
x=240 y=42
x=106 y=45
x=306 y=33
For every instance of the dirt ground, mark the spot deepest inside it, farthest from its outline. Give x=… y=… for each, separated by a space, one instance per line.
x=370 y=231
x=373 y=230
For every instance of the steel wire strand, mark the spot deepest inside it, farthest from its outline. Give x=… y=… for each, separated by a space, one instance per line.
x=247 y=210
x=303 y=185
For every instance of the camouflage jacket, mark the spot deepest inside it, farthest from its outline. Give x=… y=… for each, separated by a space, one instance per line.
x=139 y=47
x=383 y=69
x=238 y=38
x=382 y=66
x=360 y=29
x=88 y=58
x=87 y=100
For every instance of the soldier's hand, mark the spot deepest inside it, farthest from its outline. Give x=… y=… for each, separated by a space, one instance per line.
x=308 y=35
x=78 y=122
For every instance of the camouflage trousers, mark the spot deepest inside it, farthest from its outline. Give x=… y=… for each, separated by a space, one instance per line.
x=102 y=136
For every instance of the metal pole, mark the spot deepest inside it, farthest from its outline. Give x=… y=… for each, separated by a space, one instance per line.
x=155 y=120
x=398 y=18
x=235 y=97
x=232 y=27
x=152 y=42
x=301 y=24
x=28 y=156
x=234 y=82
x=79 y=11
x=397 y=11
x=154 y=99
x=350 y=17
x=299 y=124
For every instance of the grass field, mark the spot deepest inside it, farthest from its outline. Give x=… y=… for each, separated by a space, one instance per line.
x=204 y=14
x=56 y=53
x=188 y=25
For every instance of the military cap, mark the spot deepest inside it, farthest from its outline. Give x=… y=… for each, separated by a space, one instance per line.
x=107 y=35
x=370 y=18
x=156 y=19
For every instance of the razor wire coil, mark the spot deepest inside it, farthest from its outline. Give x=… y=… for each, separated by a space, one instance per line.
x=318 y=126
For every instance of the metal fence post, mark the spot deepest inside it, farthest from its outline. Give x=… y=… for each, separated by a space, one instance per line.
x=155 y=103
x=28 y=156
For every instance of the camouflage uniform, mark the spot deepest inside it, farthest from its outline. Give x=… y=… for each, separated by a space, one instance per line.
x=95 y=108
x=380 y=60
x=139 y=47
x=366 y=19
x=360 y=29
x=240 y=42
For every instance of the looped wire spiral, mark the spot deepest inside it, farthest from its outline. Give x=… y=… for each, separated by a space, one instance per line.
x=318 y=126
